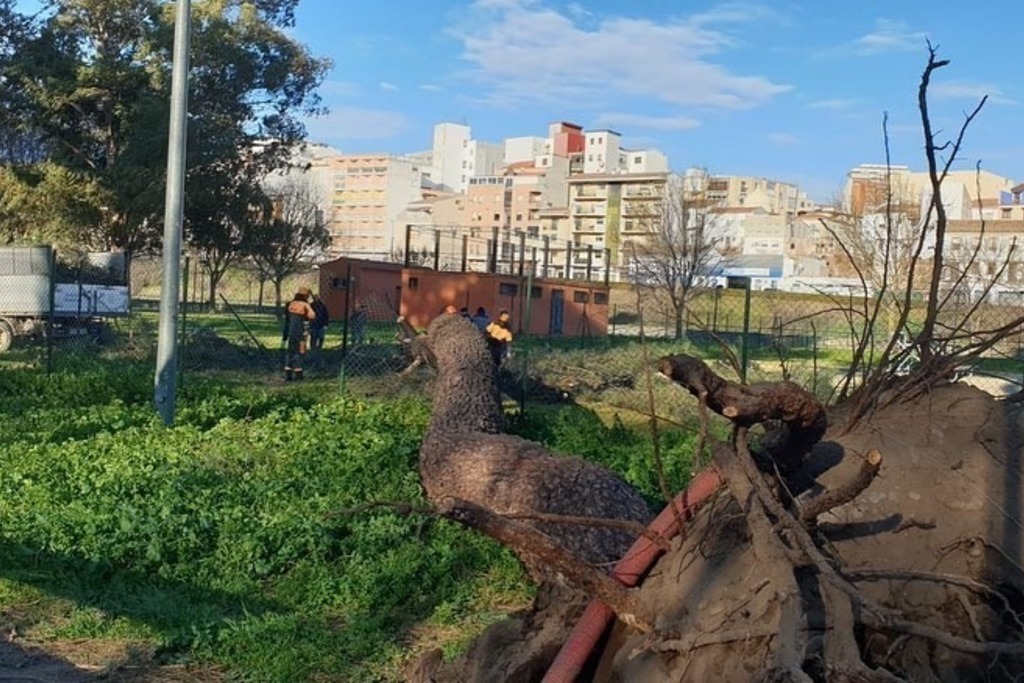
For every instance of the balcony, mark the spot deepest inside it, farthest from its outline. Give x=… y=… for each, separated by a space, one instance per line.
x=639 y=209
x=590 y=194
x=641 y=193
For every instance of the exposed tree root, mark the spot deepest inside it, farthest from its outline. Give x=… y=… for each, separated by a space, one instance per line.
x=833 y=498
x=781 y=538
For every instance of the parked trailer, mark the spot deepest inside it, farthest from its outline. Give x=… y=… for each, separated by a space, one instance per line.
x=27 y=288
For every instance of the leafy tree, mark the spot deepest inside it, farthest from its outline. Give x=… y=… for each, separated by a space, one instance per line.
x=96 y=80
x=18 y=143
x=49 y=203
x=682 y=244
x=292 y=233
x=221 y=215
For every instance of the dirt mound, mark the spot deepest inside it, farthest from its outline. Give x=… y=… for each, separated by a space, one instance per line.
x=929 y=557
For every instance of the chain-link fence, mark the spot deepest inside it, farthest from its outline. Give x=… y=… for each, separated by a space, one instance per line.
x=81 y=313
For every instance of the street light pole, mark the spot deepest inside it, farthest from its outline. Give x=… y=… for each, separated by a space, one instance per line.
x=167 y=349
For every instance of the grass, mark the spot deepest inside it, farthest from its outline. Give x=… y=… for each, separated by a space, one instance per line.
x=217 y=545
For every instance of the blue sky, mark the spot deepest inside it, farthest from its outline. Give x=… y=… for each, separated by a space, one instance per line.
x=790 y=89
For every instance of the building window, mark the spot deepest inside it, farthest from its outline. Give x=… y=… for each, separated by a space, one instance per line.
x=414 y=283
x=508 y=289
x=580 y=297
x=638 y=160
x=536 y=292
x=519 y=217
x=497 y=216
x=601 y=298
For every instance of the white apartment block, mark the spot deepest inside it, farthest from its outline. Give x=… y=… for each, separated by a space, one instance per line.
x=523 y=149
x=456 y=157
x=309 y=173
x=603 y=153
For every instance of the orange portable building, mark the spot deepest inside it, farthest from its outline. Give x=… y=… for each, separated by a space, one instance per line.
x=556 y=308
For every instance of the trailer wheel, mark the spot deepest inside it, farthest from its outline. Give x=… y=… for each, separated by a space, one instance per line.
x=6 y=335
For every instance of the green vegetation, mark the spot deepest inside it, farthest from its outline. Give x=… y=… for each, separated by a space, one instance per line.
x=245 y=539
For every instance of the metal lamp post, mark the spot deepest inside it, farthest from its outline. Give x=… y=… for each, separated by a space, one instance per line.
x=167 y=349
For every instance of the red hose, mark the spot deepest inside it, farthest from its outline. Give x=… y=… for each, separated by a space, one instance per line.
x=584 y=636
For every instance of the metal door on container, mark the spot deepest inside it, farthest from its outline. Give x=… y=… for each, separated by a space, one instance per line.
x=557 y=311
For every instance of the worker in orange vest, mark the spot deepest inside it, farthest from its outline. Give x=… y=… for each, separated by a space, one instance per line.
x=499 y=337
x=297 y=315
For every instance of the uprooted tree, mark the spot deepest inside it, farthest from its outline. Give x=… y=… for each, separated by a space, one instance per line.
x=810 y=568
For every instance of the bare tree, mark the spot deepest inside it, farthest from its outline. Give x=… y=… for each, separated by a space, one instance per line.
x=292 y=234
x=880 y=228
x=684 y=243
x=946 y=334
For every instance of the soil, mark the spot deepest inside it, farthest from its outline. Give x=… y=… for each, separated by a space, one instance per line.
x=936 y=536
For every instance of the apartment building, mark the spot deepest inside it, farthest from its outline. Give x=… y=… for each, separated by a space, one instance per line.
x=1011 y=204
x=369 y=194
x=753 y=192
x=606 y=211
x=966 y=195
x=985 y=251
x=456 y=157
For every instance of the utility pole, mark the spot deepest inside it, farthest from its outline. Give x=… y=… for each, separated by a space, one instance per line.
x=164 y=393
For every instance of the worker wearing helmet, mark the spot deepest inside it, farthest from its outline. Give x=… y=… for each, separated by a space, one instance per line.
x=499 y=337
x=297 y=315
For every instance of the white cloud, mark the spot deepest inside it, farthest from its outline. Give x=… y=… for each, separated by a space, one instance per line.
x=523 y=51
x=833 y=104
x=640 y=121
x=429 y=87
x=959 y=90
x=384 y=85
x=889 y=36
x=337 y=89
x=786 y=139
x=354 y=123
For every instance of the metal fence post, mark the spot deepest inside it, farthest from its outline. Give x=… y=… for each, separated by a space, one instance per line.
x=344 y=323
x=437 y=249
x=50 y=317
x=745 y=343
x=183 y=332
x=547 y=255
x=527 y=308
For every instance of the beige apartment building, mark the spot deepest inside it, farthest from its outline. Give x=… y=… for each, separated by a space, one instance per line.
x=751 y=192
x=987 y=250
x=368 y=195
x=966 y=195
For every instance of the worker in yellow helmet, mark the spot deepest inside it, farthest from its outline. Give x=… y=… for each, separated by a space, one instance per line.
x=499 y=337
